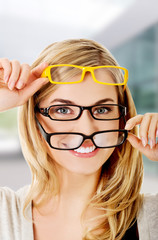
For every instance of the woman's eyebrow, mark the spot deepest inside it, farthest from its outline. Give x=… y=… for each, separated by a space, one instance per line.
x=62 y=101
x=105 y=100
x=66 y=101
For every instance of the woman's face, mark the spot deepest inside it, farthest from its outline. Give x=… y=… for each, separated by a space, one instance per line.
x=86 y=93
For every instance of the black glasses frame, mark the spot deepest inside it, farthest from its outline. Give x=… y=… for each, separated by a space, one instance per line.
x=47 y=136
x=45 y=111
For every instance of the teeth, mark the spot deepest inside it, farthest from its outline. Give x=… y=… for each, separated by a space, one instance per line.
x=85 y=150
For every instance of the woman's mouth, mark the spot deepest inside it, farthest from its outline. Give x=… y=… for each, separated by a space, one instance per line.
x=85 y=151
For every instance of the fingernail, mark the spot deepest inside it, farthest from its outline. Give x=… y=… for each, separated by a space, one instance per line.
x=11 y=86
x=20 y=85
x=127 y=125
x=151 y=143
x=6 y=79
x=143 y=141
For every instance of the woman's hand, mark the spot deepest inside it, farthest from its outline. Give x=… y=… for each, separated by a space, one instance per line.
x=148 y=132
x=18 y=82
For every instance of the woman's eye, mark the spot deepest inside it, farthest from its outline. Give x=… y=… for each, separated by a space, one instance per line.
x=63 y=110
x=102 y=110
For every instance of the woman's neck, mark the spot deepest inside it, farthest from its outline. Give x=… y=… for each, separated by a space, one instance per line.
x=75 y=190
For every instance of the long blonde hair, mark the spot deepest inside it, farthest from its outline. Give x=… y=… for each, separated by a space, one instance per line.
x=118 y=190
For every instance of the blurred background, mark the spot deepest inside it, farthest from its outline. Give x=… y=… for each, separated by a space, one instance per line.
x=128 y=28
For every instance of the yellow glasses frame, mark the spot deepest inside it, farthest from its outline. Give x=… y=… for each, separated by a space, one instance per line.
x=47 y=73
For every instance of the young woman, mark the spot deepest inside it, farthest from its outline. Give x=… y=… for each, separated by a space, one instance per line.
x=86 y=177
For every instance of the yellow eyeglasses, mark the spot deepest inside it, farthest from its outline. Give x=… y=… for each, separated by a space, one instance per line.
x=70 y=74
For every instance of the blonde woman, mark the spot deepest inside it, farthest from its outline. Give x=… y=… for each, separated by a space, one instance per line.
x=86 y=176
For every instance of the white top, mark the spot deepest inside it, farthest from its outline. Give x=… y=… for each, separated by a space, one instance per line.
x=13 y=225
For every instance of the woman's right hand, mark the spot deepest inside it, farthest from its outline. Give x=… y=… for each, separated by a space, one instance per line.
x=18 y=82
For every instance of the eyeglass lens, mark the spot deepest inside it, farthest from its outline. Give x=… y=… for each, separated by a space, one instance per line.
x=65 y=74
x=72 y=141
x=68 y=112
x=74 y=74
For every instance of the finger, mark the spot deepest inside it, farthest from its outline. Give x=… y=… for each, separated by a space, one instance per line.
x=24 y=75
x=14 y=74
x=135 y=141
x=132 y=122
x=31 y=88
x=37 y=71
x=153 y=130
x=6 y=65
x=144 y=128
x=151 y=154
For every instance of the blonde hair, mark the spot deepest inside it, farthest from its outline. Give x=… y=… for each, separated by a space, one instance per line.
x=118 y=190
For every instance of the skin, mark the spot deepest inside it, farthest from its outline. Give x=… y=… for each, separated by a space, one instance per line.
x=78 y=176
x=85 y=124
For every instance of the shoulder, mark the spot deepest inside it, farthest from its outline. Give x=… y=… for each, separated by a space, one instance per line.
x=8 y=196
x=148 y=218
x=8 y=191
x=12 y=202
x=150 y=206
x=12 y=222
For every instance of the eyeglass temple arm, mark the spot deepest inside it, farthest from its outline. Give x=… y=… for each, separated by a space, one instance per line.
x=45 y=73
x=43 y=132
x=44 y=112
x=125 y=113
x=124 y=120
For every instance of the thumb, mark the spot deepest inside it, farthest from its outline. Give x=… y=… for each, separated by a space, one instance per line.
x=135 y=141
x=37 y=71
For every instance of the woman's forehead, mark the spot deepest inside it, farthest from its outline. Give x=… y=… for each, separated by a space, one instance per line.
x=85 y=93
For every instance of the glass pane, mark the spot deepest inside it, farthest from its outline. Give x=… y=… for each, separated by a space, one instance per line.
x=66 y=74
x=112 y=75
x=106 y=111
x=61 y=112
x=140 y=56
x=109 y=139
x=66 y=141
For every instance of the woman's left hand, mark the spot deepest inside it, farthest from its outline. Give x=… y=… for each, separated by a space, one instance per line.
x=148 y=132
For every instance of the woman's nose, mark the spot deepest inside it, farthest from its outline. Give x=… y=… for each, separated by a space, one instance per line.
x=86 y=123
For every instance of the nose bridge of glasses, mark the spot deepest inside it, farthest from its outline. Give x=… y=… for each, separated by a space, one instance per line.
x=86 y=123
x=88 y=140
x=89 y=70
x=88 y=111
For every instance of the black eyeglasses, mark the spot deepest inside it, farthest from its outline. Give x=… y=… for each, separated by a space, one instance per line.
x=73 y=140
x=66 y=112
